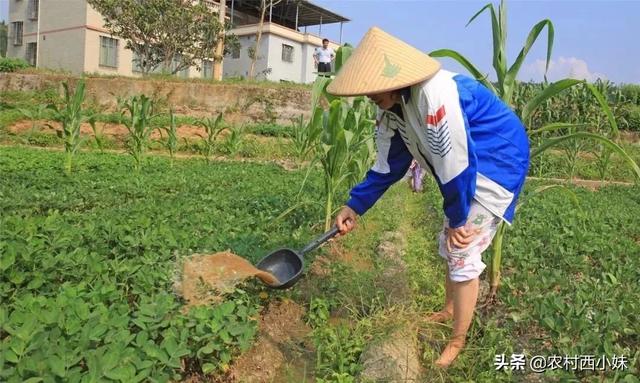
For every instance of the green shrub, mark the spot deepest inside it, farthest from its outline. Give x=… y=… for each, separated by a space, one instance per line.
x=9 y=64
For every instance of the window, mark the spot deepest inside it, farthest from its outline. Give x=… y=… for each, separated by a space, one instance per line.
x=16 y=31
x=207 y=69
x=108 y=52
x=30 y=56
x=33 y=9
x=287 y=53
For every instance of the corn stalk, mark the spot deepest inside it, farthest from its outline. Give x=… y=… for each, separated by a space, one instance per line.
x=172 y=136
x=71 y=115
x=506 y=76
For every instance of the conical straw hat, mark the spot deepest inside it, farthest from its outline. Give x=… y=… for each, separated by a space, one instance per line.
x=382 y=63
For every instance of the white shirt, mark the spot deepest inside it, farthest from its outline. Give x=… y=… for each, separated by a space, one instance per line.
x=324 y=55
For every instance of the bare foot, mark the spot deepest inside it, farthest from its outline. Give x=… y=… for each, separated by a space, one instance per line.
x=450 y=353
x=440 y=316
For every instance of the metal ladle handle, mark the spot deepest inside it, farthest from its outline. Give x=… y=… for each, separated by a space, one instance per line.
x=320 y=240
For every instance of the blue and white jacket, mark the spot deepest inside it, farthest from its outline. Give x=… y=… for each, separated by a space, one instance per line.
x=474 y=144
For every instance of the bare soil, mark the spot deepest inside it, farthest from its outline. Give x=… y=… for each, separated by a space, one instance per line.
x=354 y=259
x=107 y=129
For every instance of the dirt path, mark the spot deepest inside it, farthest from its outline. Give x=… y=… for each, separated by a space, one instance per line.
x=103 y=128
x=120 y=131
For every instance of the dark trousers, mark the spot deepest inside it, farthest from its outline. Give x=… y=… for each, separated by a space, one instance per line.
x=324 y=67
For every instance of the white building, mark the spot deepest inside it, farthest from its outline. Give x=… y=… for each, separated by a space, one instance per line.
x=70 y=35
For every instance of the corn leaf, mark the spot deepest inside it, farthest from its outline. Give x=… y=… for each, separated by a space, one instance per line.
x=510 y=78
x=465 y=63
x=605 y=107
x=553 y=127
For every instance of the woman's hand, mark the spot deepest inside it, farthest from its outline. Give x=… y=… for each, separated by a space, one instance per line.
x=459 y=238
x=346 y=220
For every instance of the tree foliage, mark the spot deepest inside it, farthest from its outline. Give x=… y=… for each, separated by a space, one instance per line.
x=170 y=34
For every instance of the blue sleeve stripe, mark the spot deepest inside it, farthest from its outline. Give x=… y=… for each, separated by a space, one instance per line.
x=365 y=194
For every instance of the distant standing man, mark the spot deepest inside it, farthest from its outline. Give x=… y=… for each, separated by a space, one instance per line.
x=324 y=56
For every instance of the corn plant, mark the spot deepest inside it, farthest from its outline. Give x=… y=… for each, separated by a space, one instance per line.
x=345 y=150
x=610 y=95
x=140 y=113
x=172 y=136
x=505 y=87
x=361 y=121
x=71 y=115
x=233 y=141
x=345 y=131
x=212 y=127
x=306 y=136
x=506 y=76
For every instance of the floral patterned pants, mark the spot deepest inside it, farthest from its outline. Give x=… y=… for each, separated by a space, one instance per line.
x=466 y=264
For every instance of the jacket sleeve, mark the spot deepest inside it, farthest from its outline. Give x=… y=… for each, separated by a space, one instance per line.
x=453 y=151
x=392 y=162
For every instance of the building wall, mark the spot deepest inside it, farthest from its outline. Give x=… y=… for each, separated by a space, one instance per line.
x=280 y=69
x=240 y=18
x=62 y=35
x=18 y=12
x=301 y=70
x=306 y=65
x=240 y=66
x=62 y=50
